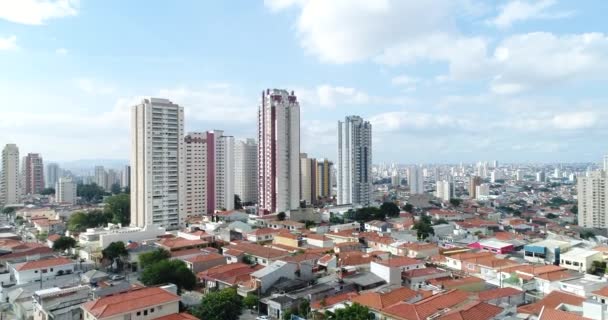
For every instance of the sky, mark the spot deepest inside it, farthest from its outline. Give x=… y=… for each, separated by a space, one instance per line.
x=442 y=81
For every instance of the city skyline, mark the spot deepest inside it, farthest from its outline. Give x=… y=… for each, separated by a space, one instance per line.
x=454 y=76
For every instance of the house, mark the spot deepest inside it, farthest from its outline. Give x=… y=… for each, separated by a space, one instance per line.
x=551 y=301
x=94 y=276
x=378 y=301
x=493 y=246
x=343 y=247
x=585 y=286
x=420 y=250
x=390 y=270
x=196 y=235
x=50 y=240
x=178 y=243
x=545 y=251
x=60 y=303
x=264 y=278
x=415 y=279
x=258 y=254
x=319 y=240
x=226 y=276
x=287 y=224
x=377 y=226
x=204 y=261
x=474 y=310
x=34 y=253
x=49 y=226
x=457 y=261
x=428 y=308
x=40 y=270
x=232 y=215
x=333 y=302
x=579 y=259
x=262 y=234
x=468 y=284
x=502 y=296
x=144 y=303
x=328 y=262
x=287 y=239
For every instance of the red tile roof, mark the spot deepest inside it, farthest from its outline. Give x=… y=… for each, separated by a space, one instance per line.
x=427 y=307
x=602 y=292
x=44 y=263
x=397 y=262
x=552 y=300
x=498 y=293
x=333 y=300
x=35 y=251
x=552 y=314
x=176 y=243
x=257 y=250
x=53 y=237
x=230 y=273
x=379 y=301
x=129 y=301
x=474 y=311
x=178 y=316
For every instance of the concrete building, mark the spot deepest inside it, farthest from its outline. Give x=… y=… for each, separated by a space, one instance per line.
x=308 y=179
x=102 y=237
x=445 y=190
x=157 y=164
x=34 y=173
x=278 y=151
x=209 y=178
x=113 y=179
x=415 y=180
x=592 y=200
x=65 y=191
x=40 y=270
x=10 y=186
x=101 y=177
x=482 y=191
x=53 y=172
x=579 y=259
x=138 y=304
x=246 y=170
x=324 y=178
x=125 y=177
x=474 y=182
x=519 y=175
x=540 y=176
x=60 y=303
x=354 y=161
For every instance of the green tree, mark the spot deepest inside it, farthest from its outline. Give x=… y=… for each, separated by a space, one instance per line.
x=574 y=209
x=551 y=216
x=281 y=216
x=64 y=243
x=90 y=192
x=19 y=220
x=169 y=271
x=598 y=268
x=115 y=253
x=352 y=312
x=80 y=221
x=149 y=258
x=587 y=234
x=455 y=202
x=366 y=214
x=408 y=207
x=237 y=202
x=42 y=236
x=47 y=191
x=8 y=210
x=251 y=301
x=247 y=259
x=390 y=209
x=423 y=227
x=225 y=304
x=115 y=188
x=119 y=208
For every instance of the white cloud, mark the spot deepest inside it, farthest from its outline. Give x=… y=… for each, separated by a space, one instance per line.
x=518 y=10
x=8 y=43
x=61 y=51
x=93 y=87
x=36 y=12
x=331 y=96
x=277 y=5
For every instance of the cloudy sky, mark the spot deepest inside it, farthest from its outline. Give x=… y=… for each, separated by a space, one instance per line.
x=441 y=81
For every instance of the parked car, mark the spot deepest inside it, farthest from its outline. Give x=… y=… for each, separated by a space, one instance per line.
x=116 y=277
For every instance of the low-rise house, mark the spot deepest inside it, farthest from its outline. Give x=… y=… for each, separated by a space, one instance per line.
x=333 y=302
x=176 y=244
x=502 y=296
x=428 y=308
x=287 y=224
x=550 y=301
x=50 y=240
x=227 y=276
x=94 y=276
x=35 y=253
x=342 y=236
x=545 y=251
x=204 y=261
x=60 y=303
x=232 y=215
x=377 y=226
x=378 y=301
x=288 y=239
x=579 y=259
x=261 y=235
x=469 y=284
x=266 y=277
x=390 y=270
x=584 y=286
x=415 y=279
x=49 y=226
x=328 y=262
x=40 y=270
x=494 y=246
x=144 y=303
x=102 y=237
x=475 y=226
x=420 y=250
x=319 y=240
x=196 y=235
x=257 y=253
x=601 y=295
x=344 y=247
x=457 y=261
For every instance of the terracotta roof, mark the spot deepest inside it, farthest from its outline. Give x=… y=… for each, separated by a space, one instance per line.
x=419 y=246
x=449 y=283
x=551 y=301
x=129 y=301
x=30 y=252
x=205 y=257
x=397 y=262
x=422 y=272
x=553 y=314
x=302 y=257
x=44 y=263
x=257 y=250
x=498 y=293
x=187 y=252
x=326 y=258
x=354 y=258
x=379 y=301
x=427 y=307
x=178 y=316
x=53 y=237
x=474 y=311
x=178 y=242
x=558 y=275
x=263 y=231
x=471 y=255
x=333 y=300
x=316 y=236
x=230 y=273
x=602 y=292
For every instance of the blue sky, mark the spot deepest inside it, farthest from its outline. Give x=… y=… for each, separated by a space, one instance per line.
x=442 y=81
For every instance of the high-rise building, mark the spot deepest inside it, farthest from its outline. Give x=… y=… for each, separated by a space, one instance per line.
x=209 y=172
x=157 y=164
x=415 y=180
x=474 y=182
x=605 y=166
x=324 y=178
x=101 y=177
x=445 y=190
x=65 y=191
x=278 y=152
x=34 y=173
x=482 y=191
x=53 y=172
x=540 y=176
x=113 y=178
x=519 y=175
x=308 y=179
x=246 y=170
x=125 y=177
x=354 y=161
x=10 y=184
x=593 y=200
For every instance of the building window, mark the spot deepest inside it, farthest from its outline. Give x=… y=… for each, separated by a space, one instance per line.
x=145 y=312
x=151 y=310
x=139 y=313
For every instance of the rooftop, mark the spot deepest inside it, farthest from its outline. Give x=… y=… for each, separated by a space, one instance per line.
x=129 y=301
x=44 y=263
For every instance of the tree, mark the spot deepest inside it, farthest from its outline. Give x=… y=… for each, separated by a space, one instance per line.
x=225 y=304
x=237 y=202
x=251 y=301
x=115 y=252
x=90 y=192
x=149 y=258
x=587 y=234
x=281 y=216
x=80 y=221
x=247 y=259
x=47 y=191
x=408 y=207
x=551 y=216
x=19 y=220
x=423 y=227
x=390 y=209
x=169 y=271
x=598 y=268
x=64 y=243
x=366 y=214
x=8 y=210
x=455 y=202
x=115 y=188
x=119 y=208
x=352 y=312
x=42 y=236
x=574 y=209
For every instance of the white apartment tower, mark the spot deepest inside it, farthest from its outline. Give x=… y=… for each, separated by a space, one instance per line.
x=157 y=164
x=246 y=170
x=415 y=180
x=445 y=190
x=209 y=172
x=10 y=182
x=65 y=191
x=101 y=177
x=354 y=161
x=278 y=152
x=593 y=200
